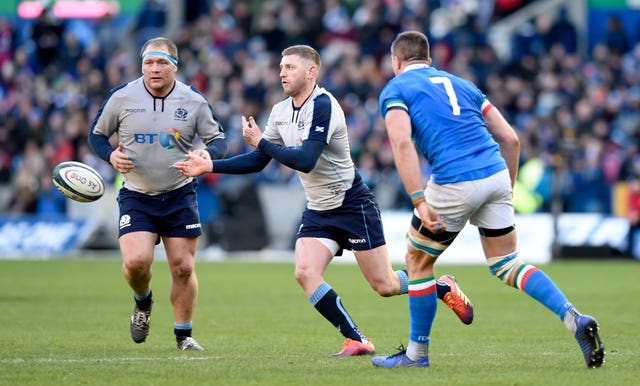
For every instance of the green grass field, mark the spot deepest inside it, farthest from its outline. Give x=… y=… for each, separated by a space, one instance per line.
x=65 y=322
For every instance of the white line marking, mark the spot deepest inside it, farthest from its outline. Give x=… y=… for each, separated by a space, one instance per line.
x=108 y=360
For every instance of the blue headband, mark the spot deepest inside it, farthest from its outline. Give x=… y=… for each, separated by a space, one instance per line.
x=170 y=58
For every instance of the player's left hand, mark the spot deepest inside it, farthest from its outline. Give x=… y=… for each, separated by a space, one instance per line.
x=194 y=166
x=251 y=132
x=202 y=153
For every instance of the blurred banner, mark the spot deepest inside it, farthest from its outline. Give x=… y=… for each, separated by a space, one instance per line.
x=588 y=233
x=584 y=235
x=43 y=236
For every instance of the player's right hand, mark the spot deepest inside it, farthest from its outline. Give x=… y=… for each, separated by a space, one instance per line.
x=251 y=131
x=120 y=161
x=430 y=218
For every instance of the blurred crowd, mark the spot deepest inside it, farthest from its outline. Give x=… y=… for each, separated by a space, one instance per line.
x=577 y=113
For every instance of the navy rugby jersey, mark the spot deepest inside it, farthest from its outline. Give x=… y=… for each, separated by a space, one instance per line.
x=447 y=123
x=156 y=132
x=320 y=118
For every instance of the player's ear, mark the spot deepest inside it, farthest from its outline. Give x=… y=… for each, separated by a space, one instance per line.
x=313 y=72
x=395 y=64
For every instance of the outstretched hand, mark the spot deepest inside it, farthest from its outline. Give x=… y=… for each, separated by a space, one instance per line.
x=194 y=166
x=251 y=132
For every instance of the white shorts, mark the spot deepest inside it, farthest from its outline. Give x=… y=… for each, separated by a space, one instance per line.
x=486 y=203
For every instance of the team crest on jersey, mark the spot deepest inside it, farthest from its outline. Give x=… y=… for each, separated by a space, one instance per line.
x=180 y=114
x=300 y=125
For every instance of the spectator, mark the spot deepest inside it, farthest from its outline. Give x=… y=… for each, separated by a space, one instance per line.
x=150 y=21
x=30 y=168
x=563 y=32
x=7 y=40
x=633 y=215
x=615 y=36
x=47 y=35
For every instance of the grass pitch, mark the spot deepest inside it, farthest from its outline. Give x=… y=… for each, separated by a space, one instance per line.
x=65 y=322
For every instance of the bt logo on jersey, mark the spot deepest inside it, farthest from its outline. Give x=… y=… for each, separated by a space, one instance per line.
x=166 y=139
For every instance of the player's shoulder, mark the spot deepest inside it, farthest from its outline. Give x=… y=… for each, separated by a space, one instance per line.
x=125 y=89
x=456 y=78
x=321 y=96
x=124 y=93
x=321 y=92
x=283 y=105
x=187 y=91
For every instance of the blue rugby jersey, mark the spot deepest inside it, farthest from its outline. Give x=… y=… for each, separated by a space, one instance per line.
x=447 y=123
x=320 y=118
x=156 y=132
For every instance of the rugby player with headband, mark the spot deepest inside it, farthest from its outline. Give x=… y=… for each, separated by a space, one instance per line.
x=156 y=120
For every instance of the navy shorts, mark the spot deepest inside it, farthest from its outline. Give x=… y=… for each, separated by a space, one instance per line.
x=356 y=225
x=173 y=214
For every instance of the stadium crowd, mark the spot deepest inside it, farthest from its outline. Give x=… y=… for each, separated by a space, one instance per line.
x=576 y=112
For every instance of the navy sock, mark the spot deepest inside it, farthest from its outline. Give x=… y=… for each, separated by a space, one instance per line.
x=144 y=302
x=182 y=330
x=442 y=289
x=329 y=305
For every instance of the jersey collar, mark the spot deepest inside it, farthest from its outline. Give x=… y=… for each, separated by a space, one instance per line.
x=415 y=66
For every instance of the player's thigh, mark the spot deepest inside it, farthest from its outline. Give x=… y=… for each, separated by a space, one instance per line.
x=311 y=256
x=500 y=245
x=137 y=247
x=180 y=250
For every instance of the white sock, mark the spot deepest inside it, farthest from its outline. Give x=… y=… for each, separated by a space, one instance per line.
x=569 y=319
x=417 y=350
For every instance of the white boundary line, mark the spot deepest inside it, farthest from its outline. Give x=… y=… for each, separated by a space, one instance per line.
x=19 y=361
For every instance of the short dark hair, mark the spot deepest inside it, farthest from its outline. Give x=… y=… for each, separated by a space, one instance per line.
x=410 y=45
x=305 y=52
x=161 y=42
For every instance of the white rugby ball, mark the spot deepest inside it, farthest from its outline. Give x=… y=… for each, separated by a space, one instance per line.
x=78 y=181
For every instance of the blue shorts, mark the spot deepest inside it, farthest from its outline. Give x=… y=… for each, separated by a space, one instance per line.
x=173 y=214
x=356 y=225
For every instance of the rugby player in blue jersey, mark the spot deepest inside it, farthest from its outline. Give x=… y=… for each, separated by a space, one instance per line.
x=156 y=120
x=307 y=132
x=473 y=153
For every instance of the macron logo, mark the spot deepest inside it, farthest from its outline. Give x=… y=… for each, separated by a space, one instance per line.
x=319 y=129
x=357 y=241
x=192 y=226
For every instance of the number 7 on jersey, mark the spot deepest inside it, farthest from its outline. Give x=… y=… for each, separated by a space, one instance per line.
x=451 y=93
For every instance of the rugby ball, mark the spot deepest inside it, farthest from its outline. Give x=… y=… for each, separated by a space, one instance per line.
x=78 y=181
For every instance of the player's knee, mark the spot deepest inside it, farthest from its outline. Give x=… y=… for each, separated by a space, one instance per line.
x=505 y=267
x=182 y=271
x=304 y=275
x=135 y=267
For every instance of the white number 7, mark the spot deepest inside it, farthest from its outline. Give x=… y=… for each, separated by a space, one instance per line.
x=451 y=93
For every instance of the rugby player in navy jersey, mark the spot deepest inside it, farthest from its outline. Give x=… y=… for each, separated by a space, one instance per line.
x=307 y=132
x=156 y=120
x=473 y=153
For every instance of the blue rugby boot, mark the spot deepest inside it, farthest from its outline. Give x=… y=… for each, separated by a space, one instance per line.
x=399 y=360
x=588 y=337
